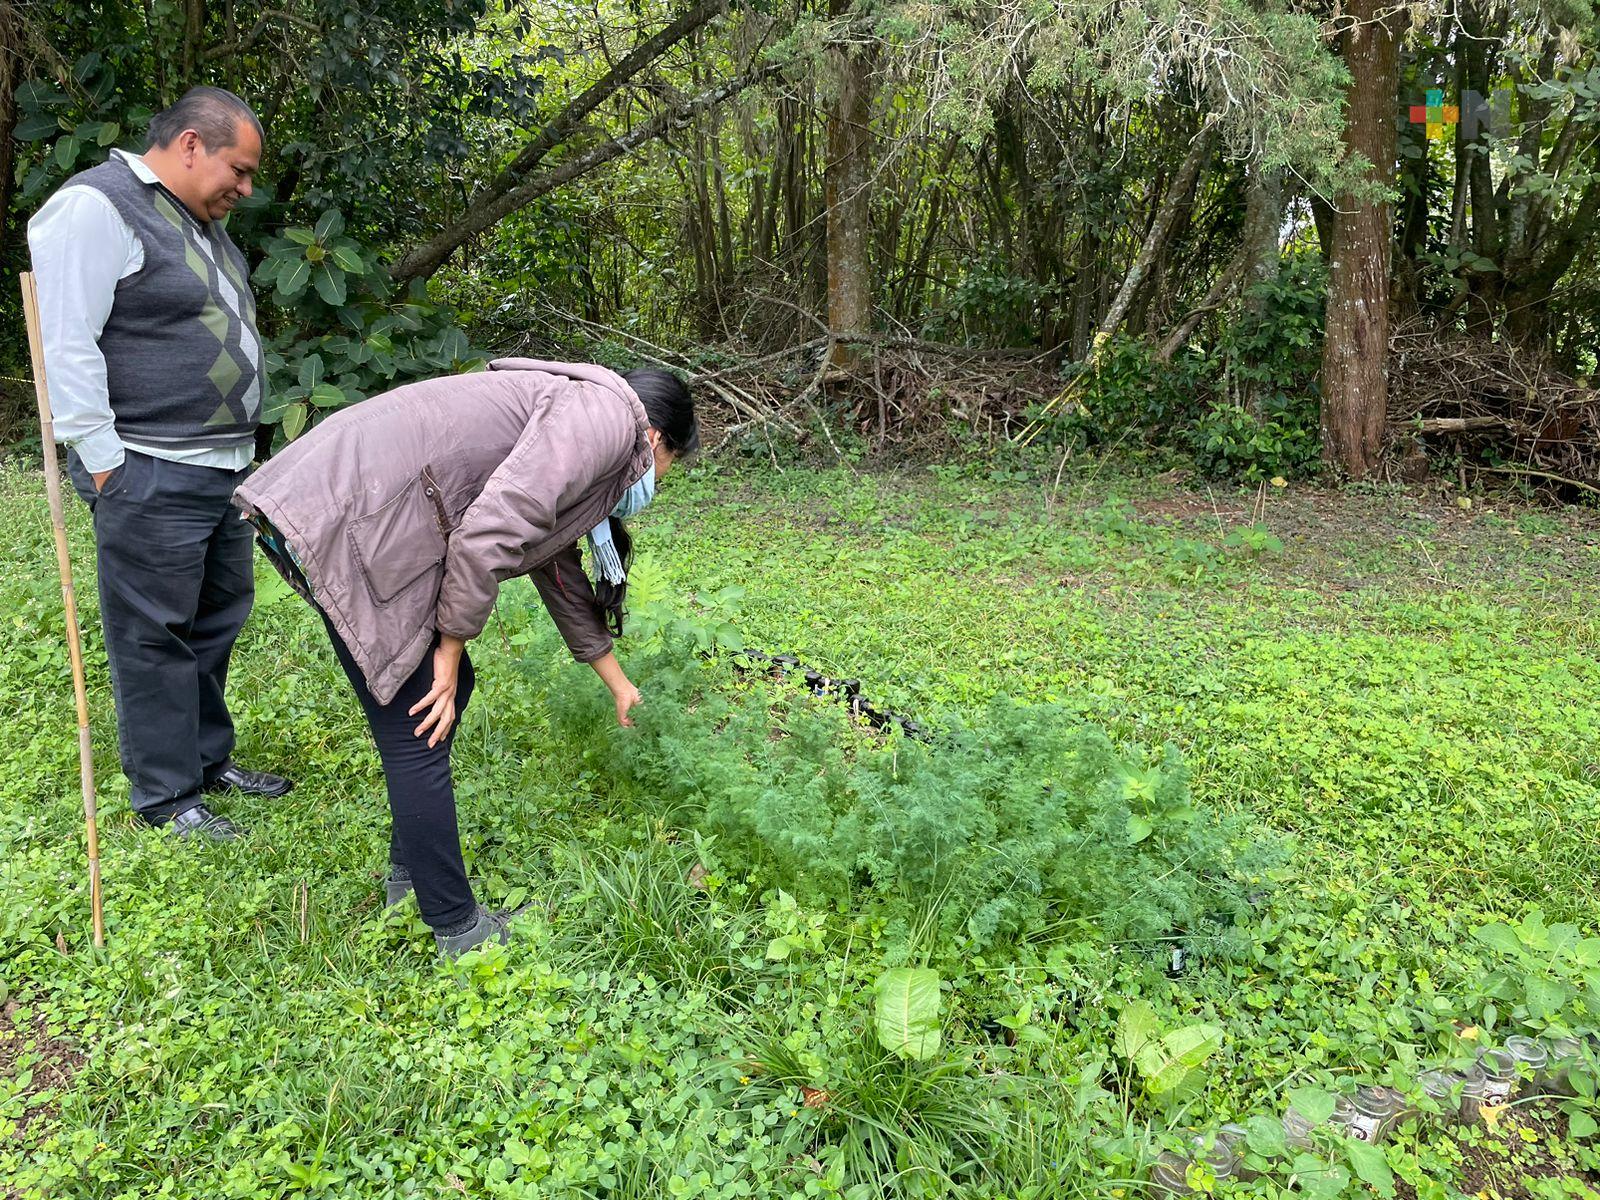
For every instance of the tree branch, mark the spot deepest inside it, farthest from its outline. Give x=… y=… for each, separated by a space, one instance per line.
x=422 y=261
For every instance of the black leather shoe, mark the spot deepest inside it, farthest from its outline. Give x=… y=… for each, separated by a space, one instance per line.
x=201 y=822
x=256 y=783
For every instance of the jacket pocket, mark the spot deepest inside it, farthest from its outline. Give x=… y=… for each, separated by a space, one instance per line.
x=402 y=543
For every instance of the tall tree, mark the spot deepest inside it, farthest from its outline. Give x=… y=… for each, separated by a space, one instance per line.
x=848 y=182
x=1355 y=352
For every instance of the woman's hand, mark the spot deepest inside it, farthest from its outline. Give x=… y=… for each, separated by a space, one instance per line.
x=440 y=702
x=626 y=697
x=623 y=692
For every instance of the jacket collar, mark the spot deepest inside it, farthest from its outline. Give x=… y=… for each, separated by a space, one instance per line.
x=586 y=373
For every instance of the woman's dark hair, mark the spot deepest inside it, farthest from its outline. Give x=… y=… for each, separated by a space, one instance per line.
x=669 y=407
x=609 y=597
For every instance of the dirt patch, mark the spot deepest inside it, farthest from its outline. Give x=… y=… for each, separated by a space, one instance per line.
x=48 y=1064
x=1529 y=1145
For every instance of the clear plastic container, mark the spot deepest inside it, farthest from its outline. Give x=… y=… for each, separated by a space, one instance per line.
x=1297 y=1130
x=1531 y=1058
x=1222 y=1158
x=1474 y=1093
x=1500 y=1075
x=1234 y=1138
x=1565 y=1053
x=1375 y=1110
x=1442 y=1088
x=1170 y=1174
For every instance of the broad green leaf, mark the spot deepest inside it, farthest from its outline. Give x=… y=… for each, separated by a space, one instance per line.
x=1137 y=1028
x=330 y=285
x=1167 y=1064
x=1581 y=1124
x=1370 y=1165
x=294 y=421
x=311 y=371
x=36 y=127
x=66 y=152
x=330 y=224
x=1546 y=997
x=325 y=395
x=348 y=260
x=1319 y=1179
x=1499 y=936
x=778 y=949
x=1264 y=1136
x=109 y=133
x=301 y=235
x=293 y=277
x=1314 y=1104
x=1139 y=828
x=270 y=588
x=272 y=411
x=908 y=1012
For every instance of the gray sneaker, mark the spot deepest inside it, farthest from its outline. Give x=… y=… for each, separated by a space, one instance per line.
x=396 y=890
x=493 y=926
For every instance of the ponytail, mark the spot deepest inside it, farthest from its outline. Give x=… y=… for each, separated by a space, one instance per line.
x=609 y=598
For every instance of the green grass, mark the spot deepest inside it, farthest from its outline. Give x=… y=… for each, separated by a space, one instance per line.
x=1408 y=691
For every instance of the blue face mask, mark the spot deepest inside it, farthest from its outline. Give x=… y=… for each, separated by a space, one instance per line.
x=636 y=497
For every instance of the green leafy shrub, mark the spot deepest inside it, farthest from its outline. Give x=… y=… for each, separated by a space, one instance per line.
x=1244 y=407
x=1022 y=821
x=1132 y=400
x=1264 y=418
x=991 y=304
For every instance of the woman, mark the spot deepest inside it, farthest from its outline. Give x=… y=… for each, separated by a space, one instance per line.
x=398 y=519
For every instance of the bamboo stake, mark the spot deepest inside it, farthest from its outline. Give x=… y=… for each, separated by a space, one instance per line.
x=52 y=486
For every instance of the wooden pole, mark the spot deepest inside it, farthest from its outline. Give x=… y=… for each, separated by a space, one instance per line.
x=52 y=487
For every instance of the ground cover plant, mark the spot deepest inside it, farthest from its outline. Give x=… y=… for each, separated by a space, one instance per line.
x=769 y=953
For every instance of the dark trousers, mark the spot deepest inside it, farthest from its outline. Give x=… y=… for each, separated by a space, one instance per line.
x=175 y=589
x=422 y=800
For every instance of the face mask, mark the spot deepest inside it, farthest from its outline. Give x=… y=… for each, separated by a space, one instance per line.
x=637 y=496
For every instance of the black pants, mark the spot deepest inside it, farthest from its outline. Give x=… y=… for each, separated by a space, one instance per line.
x=175 y=589
x=422 y=800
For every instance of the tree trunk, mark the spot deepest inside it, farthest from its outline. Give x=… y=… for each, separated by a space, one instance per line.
x=10 y=60
x=194 y=30
x=1160 y=231
x=847 y=179
x=1355 y=355
x=1263 y=222
x=1478 y=68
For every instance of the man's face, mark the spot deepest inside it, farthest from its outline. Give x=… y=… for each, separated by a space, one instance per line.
x=218 y=181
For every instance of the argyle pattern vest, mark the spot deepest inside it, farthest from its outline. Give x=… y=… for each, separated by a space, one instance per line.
x=184 y=366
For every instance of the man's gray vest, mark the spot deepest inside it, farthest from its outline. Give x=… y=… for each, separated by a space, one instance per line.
x=183 y=357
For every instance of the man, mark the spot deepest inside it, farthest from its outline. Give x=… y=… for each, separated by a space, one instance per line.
x=156 y=379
